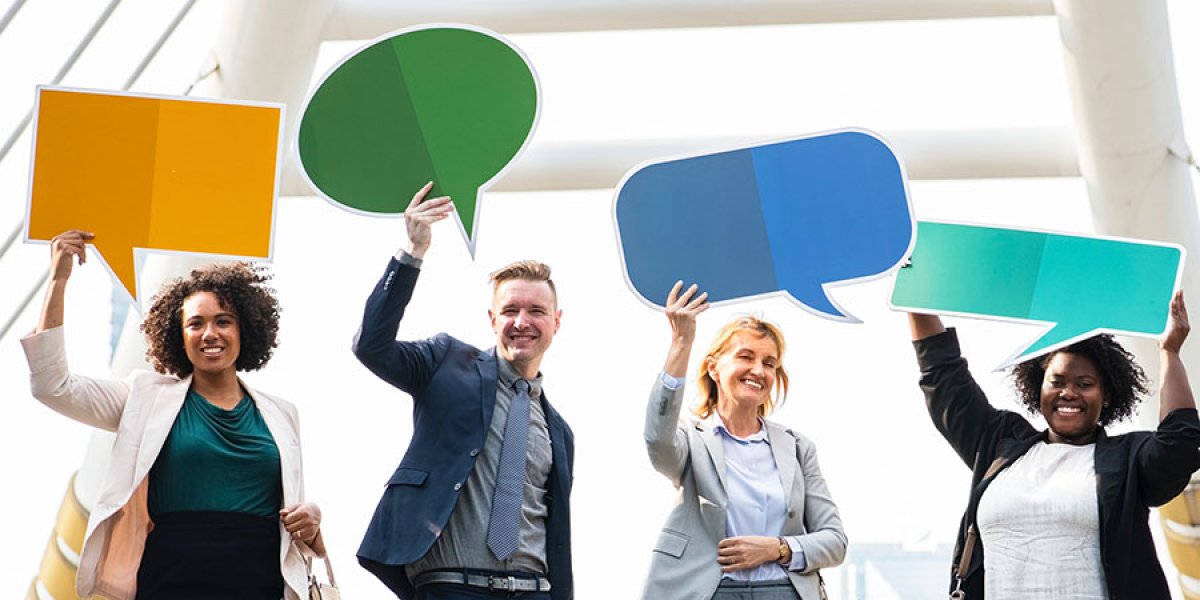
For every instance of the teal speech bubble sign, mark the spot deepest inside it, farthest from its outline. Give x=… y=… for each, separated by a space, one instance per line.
x=1081 y=285
x=452 y=104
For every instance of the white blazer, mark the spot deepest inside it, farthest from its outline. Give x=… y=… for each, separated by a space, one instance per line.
x=691 y=454
x=141 y=410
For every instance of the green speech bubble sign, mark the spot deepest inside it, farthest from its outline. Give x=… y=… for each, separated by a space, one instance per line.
x=1081 y=285
x=452 y=104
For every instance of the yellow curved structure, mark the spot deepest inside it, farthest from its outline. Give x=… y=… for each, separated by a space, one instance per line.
x=56 y=575
x=1181 y=526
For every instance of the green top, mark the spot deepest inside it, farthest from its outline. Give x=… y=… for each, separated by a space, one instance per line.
x=217 y=460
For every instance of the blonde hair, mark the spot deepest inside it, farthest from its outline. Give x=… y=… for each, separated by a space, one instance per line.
x=708 y=387
x=523 y=270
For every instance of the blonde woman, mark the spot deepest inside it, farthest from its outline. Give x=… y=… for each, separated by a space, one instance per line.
x=754 y=517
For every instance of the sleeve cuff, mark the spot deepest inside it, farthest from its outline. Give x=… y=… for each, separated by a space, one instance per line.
x=671 y=382
x=938 y=349
x=403 y=257
x=799 y=562
x=44 y=349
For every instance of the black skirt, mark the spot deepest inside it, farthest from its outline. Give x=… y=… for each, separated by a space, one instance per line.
x=205 y=555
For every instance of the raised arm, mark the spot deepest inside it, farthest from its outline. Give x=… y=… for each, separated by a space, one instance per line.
x=1169 y=458
x=420 y=216
x=1175 y=392
x=682 y=310
x=923 y=326
x=665 y=442
x=405 y=365
x=95 y=402
x=65 y=248
x=957 y=406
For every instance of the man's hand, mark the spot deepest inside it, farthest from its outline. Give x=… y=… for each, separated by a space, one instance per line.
x=419 y=217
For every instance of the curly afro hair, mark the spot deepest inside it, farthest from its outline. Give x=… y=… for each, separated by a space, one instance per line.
x=241 y=288
x=1125 y=384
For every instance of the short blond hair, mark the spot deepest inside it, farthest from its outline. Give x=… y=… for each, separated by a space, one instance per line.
x=708 y=387
x=523 y=270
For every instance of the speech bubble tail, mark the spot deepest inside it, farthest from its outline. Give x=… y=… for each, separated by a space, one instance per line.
x=1058 y=336
x=469 y=231
x=818 y=302
x=121 y=261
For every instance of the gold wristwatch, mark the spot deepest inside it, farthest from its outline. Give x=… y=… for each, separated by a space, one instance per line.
x=785 y=552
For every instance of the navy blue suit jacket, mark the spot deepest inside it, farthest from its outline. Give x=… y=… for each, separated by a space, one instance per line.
x=453 y=386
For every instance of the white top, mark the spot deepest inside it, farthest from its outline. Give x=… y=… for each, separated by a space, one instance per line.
x=1039 y=522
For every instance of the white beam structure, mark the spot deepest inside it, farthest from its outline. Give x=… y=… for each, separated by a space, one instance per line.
x=960 y=154
x=1132 y=153
x=957 y=154
x=367 y=19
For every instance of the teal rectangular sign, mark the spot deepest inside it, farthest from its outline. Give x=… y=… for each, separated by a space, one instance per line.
x=1081 y=285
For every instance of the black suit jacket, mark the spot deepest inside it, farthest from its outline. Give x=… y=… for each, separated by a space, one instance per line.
x=1134 y=471
x=453 y=386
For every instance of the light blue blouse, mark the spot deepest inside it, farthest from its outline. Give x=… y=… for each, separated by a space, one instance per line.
x=756 y=501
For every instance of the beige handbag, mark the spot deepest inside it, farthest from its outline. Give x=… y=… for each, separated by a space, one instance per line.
x=316 y=589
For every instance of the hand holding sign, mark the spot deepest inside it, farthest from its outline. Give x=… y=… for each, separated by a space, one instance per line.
x=452 y=105
x=790 y=216
x=146 y=172
x=1081 y=285
x=420 y=217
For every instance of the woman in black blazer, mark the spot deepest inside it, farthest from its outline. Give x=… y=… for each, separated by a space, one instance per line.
x=1063 y=510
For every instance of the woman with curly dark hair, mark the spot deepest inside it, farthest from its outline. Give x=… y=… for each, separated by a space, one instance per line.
x=1063 y=512
x=203 y=495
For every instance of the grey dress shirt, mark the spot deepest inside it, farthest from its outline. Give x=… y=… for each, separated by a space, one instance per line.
x=463 y=543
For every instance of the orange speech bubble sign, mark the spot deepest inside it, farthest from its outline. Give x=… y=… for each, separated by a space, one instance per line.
x=154 y=173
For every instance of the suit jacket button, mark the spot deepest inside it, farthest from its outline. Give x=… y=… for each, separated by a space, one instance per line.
x=474 y=452
x=457 y=486
x=791 y=514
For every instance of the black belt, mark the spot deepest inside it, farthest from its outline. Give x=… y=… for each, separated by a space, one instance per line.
x=497 y=582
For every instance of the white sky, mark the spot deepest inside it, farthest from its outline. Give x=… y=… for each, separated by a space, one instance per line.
x=855 y=390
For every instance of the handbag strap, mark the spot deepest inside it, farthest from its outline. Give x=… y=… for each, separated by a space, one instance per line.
x=964 y=562
x=308 y=553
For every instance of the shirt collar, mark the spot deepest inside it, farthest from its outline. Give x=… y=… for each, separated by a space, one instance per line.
x=718 y=425
x=507 y=376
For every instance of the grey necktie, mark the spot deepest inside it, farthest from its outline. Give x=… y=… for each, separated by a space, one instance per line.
x=504 y=526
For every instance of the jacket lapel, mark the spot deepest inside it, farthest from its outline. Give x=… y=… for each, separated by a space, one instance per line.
x=783 y=448
x=489 y=371
x=1109 y=465
x=163 y=410
x=714 y=444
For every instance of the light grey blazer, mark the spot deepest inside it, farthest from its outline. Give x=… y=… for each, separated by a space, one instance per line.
x=690 y=453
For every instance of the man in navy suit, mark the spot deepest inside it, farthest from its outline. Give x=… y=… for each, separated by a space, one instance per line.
x=433 y=535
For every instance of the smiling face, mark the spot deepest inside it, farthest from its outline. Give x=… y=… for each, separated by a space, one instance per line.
x=211 y=336
x=1072 y=398
x=745 y=370
x=525 y=317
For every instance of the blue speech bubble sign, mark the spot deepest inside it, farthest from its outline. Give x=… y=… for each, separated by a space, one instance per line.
x=788 y=217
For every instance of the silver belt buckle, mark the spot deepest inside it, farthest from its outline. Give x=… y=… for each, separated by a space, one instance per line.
x=506 y=584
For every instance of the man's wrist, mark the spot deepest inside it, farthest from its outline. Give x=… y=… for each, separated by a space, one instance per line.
x=405 y=258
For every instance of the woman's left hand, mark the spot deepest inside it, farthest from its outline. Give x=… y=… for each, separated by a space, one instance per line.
x=746 y=552
x=302 y=520
x=1178 y=326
